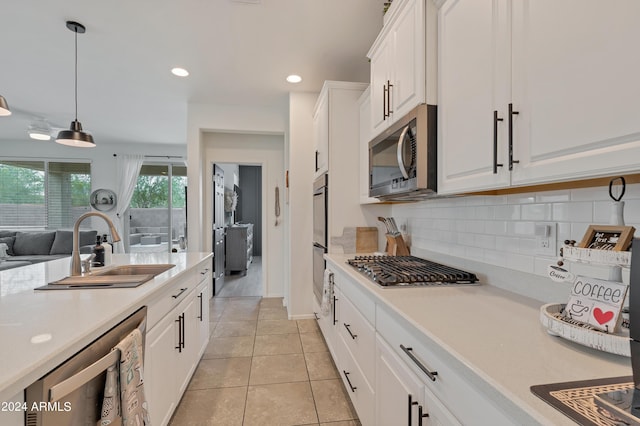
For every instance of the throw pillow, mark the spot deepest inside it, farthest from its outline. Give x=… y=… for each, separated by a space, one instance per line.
x=9 y=242
x=63 y=243
x=33 y=243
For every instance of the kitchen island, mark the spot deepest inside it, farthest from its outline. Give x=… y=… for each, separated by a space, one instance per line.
x=486 y=343
x=41 y=329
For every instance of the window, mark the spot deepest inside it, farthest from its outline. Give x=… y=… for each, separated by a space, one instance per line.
x=43 y=194
x=158 y=210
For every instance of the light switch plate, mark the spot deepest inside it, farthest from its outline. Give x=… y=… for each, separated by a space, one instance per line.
x=546 y=238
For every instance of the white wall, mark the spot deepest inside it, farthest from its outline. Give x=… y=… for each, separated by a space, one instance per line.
x=252 y=149
x=300 y=206
x=498 y=231
x=103 y=163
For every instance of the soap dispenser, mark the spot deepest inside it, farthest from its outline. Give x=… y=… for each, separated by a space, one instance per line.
x=98 y=250
x=108 y=250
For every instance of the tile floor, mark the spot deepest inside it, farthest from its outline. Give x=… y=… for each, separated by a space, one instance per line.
x=262 y=369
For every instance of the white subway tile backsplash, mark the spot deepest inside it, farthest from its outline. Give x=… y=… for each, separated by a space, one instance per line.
x=485 y=241
x=475 y=226
x=520 y=262
x=495 y=227
x=507 y=244
x=602 y=212
x=563 y=232
x=483 y=212
x=536 y=212
x=574 y=212
x=527 y=246
x=600 y=193
x=475 y=200
x=521 y=228
x=553 y=196
x=541 y=264
x=632 y=212
x=474 y=253
x=507 y=212
x=495 y=257
x=521 y=198
x=578 y=230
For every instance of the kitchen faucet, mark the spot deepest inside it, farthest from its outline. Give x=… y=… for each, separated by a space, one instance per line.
x=76 y=264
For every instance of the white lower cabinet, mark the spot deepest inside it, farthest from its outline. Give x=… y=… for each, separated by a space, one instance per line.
x=175 y=343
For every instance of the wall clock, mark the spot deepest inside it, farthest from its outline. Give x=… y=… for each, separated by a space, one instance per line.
x=103 y=200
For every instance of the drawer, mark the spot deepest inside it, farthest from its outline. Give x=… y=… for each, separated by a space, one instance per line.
x=170 y=297
x=356 y=385
x=453 y=384
x=359 y=337
x=362 y=300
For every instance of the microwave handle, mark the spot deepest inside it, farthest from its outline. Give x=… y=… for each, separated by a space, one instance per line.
x=403 y=169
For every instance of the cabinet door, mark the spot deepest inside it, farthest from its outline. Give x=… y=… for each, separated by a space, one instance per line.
x=474 y=82
x=398 y=392
x=188 y=355
x=576 y=88
x=321 y=135
x=159 y=370
x=438 y=414
x=380 y=78
x=365 y=137
x=202 y=318
x=408 y=60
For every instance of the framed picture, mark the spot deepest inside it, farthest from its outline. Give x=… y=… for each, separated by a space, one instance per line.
x=607 y=237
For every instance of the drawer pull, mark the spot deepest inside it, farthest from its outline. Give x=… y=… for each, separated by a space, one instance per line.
x=346 y=376
x=204 y=272
x=335 y=299
x=316 y=315
x=353 y=336
x=182 y=290
x=431 y=374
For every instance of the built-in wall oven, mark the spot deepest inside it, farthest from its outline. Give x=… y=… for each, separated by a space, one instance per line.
x=320 y=188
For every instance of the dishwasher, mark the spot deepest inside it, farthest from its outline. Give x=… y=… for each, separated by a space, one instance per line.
x=72 y=393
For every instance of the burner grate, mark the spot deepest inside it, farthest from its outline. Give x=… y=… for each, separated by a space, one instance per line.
x=409 y=271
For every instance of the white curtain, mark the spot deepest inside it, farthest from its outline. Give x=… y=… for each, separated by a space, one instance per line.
x=128 y=168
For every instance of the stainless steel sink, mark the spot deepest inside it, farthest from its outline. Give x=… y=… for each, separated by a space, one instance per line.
x=123 y=276
x=153 y=269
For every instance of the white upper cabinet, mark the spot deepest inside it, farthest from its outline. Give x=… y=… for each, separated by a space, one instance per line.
x=365 y=137
x=397 y=56
x=536 y=91
x=321 y=135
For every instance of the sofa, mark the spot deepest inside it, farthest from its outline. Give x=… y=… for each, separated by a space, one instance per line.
x=144 y=235
x=26 y=248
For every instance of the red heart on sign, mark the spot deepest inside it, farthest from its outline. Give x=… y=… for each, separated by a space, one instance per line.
x=602 y=317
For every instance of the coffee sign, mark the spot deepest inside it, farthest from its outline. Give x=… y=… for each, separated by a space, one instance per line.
x=596 y=302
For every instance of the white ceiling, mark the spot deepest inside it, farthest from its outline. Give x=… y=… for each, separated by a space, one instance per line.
x=238 y=53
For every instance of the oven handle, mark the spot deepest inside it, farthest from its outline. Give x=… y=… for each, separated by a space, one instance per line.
x=76 y=381
x=403 y=169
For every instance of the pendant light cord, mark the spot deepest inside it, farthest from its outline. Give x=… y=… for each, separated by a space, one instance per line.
x=76 y=73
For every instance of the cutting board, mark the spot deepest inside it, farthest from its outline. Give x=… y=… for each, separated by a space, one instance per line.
x=357 y=239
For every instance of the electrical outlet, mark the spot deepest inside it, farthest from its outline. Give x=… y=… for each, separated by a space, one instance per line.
x=546 y=238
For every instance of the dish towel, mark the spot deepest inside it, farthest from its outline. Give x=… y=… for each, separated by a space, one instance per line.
x=327 y=292
x=128 y=383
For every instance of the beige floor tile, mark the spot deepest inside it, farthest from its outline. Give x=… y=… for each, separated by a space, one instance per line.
x=280 y=405
x=278 y=369
x=277 y=344
x=308 y=326
x=271 y=302
x=234 y=328
x=273 y=314
x=331 y=400
x=276 y=327
x=211 y=407
x=228 y=347
x=320 y=366
x=240 y=314
x=221 y=373
x=313 y=342
x=347 y=423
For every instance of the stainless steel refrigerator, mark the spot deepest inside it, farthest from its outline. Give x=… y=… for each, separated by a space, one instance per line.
x=218 y=245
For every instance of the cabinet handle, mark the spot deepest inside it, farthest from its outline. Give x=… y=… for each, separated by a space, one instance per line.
x=384 y=102
x=317 y=168
x=182 y=290
x=511 y=114
x=431 y=374
x=389 y=110
x=346 y=376
x=183 y=333
x=180 y=320
x=410 y=413
x=204 y=272
x=495 y=142
x=353 y=336
x=316 y=315
x=334 y=310
x=421 y=415
x=201 y=311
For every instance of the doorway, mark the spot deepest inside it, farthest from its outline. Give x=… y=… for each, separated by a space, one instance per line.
x=243 y=221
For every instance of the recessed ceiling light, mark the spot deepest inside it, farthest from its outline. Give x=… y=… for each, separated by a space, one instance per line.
x=180 y=72
x=293 y=78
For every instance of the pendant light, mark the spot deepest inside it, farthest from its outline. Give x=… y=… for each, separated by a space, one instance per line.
x=4 y=108
x=75 y=136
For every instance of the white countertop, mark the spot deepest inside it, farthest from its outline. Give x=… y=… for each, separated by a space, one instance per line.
x=497 y=335
x=41 y=329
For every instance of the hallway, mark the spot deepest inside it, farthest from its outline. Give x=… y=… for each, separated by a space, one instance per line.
x=262 y=369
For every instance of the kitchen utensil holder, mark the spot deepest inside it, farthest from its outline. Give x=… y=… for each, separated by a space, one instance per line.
x=396 y=245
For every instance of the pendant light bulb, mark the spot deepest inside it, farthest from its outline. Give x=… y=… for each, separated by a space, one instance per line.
x=75 y=136
x=4 y=107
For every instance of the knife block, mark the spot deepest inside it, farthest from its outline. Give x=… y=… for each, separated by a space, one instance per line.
x=396 y=246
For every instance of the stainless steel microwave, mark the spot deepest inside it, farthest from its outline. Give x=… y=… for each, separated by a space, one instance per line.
x=403 y=160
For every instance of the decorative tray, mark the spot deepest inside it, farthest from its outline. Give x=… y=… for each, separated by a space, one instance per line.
x=556 y=325
x=594 y=256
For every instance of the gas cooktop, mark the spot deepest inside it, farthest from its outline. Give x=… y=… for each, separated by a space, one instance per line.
x=410 y=271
